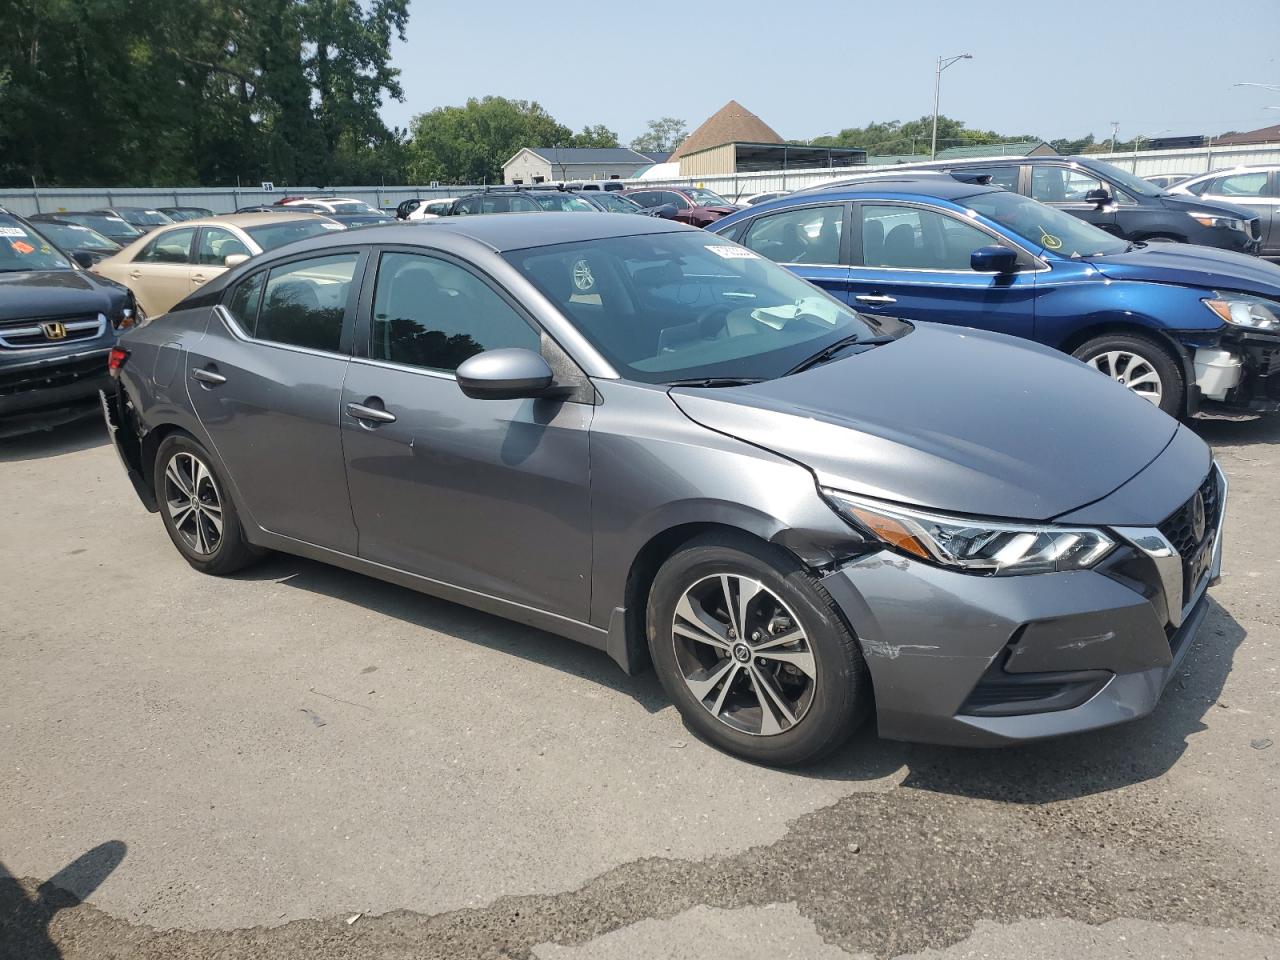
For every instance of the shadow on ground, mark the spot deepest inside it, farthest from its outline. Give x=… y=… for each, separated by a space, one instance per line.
x=1237 y=432
x=55 y=439
x=25 y=915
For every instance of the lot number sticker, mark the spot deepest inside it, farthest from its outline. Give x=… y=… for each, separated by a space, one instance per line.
x=726 y=252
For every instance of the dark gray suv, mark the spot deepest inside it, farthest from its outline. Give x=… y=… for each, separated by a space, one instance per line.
x=653 y=441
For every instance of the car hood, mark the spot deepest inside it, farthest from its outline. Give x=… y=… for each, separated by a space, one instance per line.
x=1193 y=265
x=1179 y=201
x=55 y=293
x=717 y=210
x=954 y=419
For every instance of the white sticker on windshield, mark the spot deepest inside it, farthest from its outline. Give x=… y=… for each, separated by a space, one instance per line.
x=13 y=232
x=333 y=226
x=727 y=252
x=115 y=219
x=71 y=227
x=154 y=213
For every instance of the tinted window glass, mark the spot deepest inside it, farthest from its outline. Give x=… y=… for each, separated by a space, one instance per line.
x=216 y=244
x=243 y=305
x=304 y=302
x=807 y=235
x=564 y=202
x=1199 y=188
x=679 y=202
x=915 y=239
x=22 y=249
x=646 y=198
x=171 y=246
x=431 y=313
x=72 y=236
x=1246 y=185
x=272 y=235
x=470 y=205
x=1062 y=184
x=1042 y=226
x=1001 y=176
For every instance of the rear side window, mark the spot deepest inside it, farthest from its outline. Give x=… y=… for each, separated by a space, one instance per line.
x=1001 y=176
x=808 y=235
x=1062 y=184
x=1253 y=184
x=243 y=305
x=172 y=246
x=304 y=302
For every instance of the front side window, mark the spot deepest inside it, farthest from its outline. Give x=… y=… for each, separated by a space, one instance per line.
x=171 y=247
x=910 y=238
x=563 y=202
x=304 y=302
x=646 y=198
x=673 y=306
x=616 y=204
x=1246 y=185
x=677 y=201
x=431 y=313
x=1051 y=184
x=216 y=244
x=806 y=235
x=243 y=305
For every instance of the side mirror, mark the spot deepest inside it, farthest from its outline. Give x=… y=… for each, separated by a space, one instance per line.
x=84 y=258
x=666 y=211
x=234 y=259
x=509 y=373
x=1099 y=198
x=994 y=259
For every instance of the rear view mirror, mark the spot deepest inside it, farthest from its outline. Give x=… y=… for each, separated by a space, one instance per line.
x=993 y=259
x=505 y=374
x=234 y=259
x=1099 y=198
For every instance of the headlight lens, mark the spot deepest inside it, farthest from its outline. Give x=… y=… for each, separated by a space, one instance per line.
x=974 y=546
x=1245 y=311
x=1216 y=220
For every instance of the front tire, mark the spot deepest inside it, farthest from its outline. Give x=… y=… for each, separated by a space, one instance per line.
x=196 y=508
x=1141 y=364
x=754 y=653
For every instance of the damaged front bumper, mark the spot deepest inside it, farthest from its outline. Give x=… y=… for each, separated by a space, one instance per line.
x=1241 y=372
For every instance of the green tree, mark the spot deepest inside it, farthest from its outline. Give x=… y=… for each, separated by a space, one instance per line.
x=662 y=136
x=914 y=136
x=595 y=135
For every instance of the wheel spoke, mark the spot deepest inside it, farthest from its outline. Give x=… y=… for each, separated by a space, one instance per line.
x=180 y=512
x=781 y=640
x=698 y=625
x=802 y=659
x=175 y=476
x=200 y=545
x=1149 y=377
x=748 y=590
x=214 y=521
x=702 y=687
x=724 y=690
x=773 y=705
x=730 y=606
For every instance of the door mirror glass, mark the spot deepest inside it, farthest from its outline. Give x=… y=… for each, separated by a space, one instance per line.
x=994 y=259
x=234 y=259
x=508 y=373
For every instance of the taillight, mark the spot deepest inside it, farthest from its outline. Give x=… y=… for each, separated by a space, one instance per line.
x=115 y=360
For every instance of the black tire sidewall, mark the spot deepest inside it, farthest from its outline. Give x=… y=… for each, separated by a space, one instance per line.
x=1173 y=400
x=232 y=552
x=842 y=697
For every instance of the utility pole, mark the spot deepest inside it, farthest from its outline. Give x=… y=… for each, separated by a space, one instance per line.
x=937 y=88
x=1115 y=129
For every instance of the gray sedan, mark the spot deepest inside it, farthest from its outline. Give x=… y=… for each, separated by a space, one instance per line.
x=651 y=440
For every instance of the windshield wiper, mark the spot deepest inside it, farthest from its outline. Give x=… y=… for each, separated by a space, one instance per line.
x=827 y=353
x=714 y=382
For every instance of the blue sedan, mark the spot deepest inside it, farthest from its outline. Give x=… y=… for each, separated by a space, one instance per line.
x=1175 y=323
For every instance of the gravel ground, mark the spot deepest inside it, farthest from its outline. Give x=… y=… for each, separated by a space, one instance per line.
x=302 y=762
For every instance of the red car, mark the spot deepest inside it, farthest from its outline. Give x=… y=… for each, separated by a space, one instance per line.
x=693 y=205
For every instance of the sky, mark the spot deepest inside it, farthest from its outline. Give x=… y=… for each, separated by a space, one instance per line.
x=1054 y=68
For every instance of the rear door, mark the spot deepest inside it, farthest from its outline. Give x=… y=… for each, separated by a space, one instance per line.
x=160 y=274
x=811 y=241
x=912 y=261
x=266 y=383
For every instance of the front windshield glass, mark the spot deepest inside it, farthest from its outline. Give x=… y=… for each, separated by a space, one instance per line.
x=679 y=306
x=272 y=235
x=106 y=224
x=1044 y=226
x=564 y=202
x=352 y=206
x=616 y=204
x=22 y=249
x=1124 y=178
x=706 y=198
x=70 y=236
x=152 y=218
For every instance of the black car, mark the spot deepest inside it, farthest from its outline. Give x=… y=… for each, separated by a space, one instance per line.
x=186 y=213
x=1114 y=199
x=496 y=200
x=85 y=245
x=145 y=219
x=573 y=200
x=58 y=323
x=108 y=224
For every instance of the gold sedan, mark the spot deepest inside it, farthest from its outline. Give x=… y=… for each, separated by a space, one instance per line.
x=167 y=264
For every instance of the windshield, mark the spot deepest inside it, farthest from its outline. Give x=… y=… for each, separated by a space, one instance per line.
x=564 y=202
x=22 y=249
x=1044 y=226
x=71 y=236
x=679 y=306
x=705 y=198
x=1125 y=179
x=615 y=204
x=152 y=218
x=272 y=235
x=106 y=224
x=352 y=206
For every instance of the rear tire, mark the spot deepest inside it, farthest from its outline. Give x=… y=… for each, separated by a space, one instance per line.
x=719 y=617
x=1140 y=363
x=197 y=510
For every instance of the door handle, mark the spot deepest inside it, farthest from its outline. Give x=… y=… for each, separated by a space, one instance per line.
x=371 y=414
x=875 y=298
x=135 y=275
x=199 y=278
x=205 y=375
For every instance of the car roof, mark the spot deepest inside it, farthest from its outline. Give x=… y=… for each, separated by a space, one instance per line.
x=243 y=220
x=942 y=188
x=516 y=231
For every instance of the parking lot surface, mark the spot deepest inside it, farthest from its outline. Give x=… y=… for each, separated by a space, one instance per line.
x=302 y=762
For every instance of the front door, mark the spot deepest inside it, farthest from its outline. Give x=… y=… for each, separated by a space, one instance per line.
x=266 y=385
x=912 y=261
x=160 y=275
x=1066 y=187
x=810 y=241
x=488 y=495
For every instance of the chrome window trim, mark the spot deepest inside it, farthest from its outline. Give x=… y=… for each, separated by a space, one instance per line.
x=404 y=368
x=238 y=332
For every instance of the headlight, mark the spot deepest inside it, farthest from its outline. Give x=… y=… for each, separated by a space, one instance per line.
x=1216 y=220
x=1245 y=311
x=971 y=545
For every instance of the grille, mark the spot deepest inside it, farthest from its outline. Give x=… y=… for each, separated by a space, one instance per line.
x=1179 y=529
x=33 y=332
x=47 y=376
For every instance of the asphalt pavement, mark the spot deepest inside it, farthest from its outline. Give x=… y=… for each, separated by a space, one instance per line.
x=300 y=762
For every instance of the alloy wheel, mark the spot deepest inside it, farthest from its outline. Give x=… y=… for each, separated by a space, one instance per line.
x=1131 y=370
x=744 y=655
x=194 y=502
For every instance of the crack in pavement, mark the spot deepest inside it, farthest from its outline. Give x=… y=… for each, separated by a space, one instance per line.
x=929 y=866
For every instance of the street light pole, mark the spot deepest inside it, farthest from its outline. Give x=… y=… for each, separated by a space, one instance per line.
x=937 y=89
